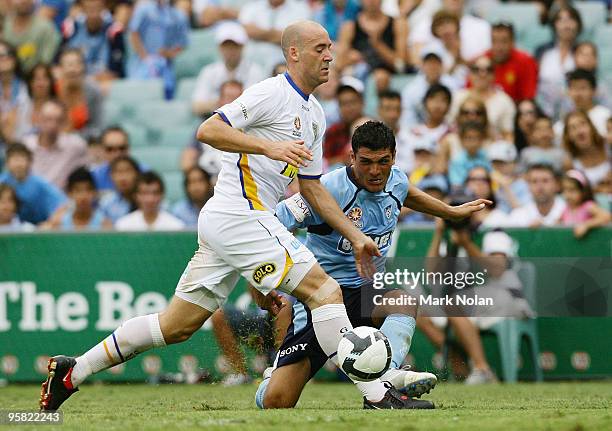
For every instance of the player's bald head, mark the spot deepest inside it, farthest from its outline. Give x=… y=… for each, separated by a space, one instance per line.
x=296 y=33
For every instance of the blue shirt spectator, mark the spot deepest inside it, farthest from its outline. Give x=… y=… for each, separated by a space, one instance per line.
x=332 y=17
x=38 y=198
x=198 y=189
x=187 y=212
x=114 y=206
x=98 y=37
x=459 y=166
x=158 y=32
x=57 y=10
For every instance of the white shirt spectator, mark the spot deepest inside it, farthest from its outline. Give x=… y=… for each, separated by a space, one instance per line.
x=261 y=14
x=475 y=34
x=528 y=214
x=425 y=10
x=413 y=111
x=135 y=221
x=212 y=77
x=500 y=110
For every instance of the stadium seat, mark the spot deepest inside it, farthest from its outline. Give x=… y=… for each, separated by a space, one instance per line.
x=533 y=37
x=173 y=182
x=398 y=82
x=593 y=14
x=177 y=136
x=162 y=114
x=605 y=61
x=160 y=159
x=202 y=50
x=138 y=134
x=603 y=36
x=186 y=86
x=510 y=332
x=522 y=15
x=131 y=91
x=112 y=113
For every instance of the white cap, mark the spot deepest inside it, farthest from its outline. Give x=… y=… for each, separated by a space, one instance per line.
x=230 y=30
x=501 y=150
x=354 y=83
x=425 y=143
x=498 y=242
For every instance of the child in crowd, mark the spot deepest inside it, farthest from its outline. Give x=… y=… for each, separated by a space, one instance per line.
x=581 y=212
x=542 y=148
x=472 y=137
x=9 y=220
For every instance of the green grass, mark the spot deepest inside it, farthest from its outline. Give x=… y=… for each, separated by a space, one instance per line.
x=550 y=406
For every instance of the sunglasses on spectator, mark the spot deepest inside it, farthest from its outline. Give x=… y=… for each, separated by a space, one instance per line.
x=483 y=179
x=476 y=69
x=527 y=112
x=471 y=112
x=113 y=148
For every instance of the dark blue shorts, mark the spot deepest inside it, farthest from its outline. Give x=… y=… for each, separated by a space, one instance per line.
x=301 y=342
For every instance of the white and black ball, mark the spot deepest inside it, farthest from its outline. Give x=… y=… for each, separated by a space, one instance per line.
x=364 y=354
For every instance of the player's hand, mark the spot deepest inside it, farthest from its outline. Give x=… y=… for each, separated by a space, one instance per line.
x=272 y=302
x=293 y=152
x=467 y=209
x=364 y=249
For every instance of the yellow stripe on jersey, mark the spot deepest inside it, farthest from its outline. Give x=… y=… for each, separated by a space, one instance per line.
x=288 y=265
x=249 y=187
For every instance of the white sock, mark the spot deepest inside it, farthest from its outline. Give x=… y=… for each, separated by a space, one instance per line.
x=330 y=322
x=373 y=391
x=134 y=336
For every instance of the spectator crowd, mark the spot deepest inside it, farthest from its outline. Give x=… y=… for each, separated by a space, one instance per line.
x=481 y=107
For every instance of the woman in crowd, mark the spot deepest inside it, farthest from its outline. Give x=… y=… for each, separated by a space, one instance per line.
x=527 y=112
x=479 y=185
x=14 y=99
x=81 y=96
x=556 y=58
x=586 y=147
x=121 y=201
x=375 y=43
x=41 y=89
x=198 y=189
x=500 y=107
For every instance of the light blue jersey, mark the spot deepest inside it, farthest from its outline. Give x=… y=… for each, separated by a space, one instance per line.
x=375 y=214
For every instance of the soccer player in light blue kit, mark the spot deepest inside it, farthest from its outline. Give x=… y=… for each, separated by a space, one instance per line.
x=371 y=192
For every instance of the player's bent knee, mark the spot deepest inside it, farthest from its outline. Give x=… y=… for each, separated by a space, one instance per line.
x=276 y=399
x=328 y=293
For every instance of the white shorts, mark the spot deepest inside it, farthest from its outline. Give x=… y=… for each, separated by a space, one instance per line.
x=253 y=244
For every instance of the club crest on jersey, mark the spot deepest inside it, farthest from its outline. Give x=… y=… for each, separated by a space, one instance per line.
x=262 y=271
x=315 y=130
x=354 y=215
x=297 y=125
x=388 y=212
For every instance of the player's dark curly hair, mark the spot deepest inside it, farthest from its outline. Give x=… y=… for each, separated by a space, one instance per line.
x=373 y=135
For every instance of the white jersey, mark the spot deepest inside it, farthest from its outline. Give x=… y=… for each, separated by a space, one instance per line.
x=276 y=110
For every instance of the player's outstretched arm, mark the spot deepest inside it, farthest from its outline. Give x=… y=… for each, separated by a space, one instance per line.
x=418 y=200
x=323 y=203
x=220 y=135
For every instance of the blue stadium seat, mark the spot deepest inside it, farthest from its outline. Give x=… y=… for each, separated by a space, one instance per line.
x=177 y=136
x=593 y=14
x=533 y=37
x=160 y=159
x=202 y=50
x=173 y=182
x=112 y=113
x=138 y=134
x=603 y=36
x=186 y=86
x=160 y=115
x=131 y=91
x=522 y=15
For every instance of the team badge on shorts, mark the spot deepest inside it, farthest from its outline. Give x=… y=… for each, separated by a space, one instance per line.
x=262 y=271
x=388 y=212
x=354 y=215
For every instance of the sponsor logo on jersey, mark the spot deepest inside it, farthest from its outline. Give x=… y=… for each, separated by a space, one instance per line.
x=244 y=111
x=305 y=108
x=289 y=171
x=388 y=211
x=262 y=271
x=381 y=240
x=293 y=349
x=296 y=244
x=354 y=215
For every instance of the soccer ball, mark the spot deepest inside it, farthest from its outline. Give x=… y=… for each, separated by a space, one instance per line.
x=364 y=354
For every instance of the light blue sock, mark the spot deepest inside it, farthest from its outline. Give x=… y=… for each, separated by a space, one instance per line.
x=399 y=329
x=261 y=393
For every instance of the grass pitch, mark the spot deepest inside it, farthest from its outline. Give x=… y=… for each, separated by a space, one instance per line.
x=549 y=406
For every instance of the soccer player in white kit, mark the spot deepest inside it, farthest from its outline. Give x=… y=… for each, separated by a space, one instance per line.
x=270 y=134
